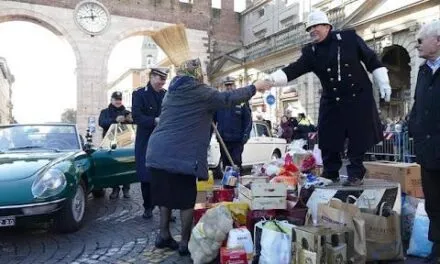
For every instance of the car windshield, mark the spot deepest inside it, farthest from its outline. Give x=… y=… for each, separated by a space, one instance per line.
x=38 y=137
x=123 y=135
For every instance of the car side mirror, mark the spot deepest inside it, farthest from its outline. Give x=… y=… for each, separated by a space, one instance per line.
x=88 y=148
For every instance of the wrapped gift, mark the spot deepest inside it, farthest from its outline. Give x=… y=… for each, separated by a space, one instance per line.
x=233 y=256
x=238 y=210
x=223 y=195
x=206 y=185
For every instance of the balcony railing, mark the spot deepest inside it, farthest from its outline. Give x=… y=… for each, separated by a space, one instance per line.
x=294 y=35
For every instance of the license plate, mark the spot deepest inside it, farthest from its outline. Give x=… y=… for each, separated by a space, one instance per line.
x=7 y=221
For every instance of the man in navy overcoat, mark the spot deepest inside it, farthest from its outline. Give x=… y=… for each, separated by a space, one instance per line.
x=146 y=107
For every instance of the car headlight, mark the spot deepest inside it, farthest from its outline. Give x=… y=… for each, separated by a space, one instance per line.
x=50 y=183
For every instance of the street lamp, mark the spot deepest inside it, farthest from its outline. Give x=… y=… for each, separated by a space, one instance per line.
x=373 y=28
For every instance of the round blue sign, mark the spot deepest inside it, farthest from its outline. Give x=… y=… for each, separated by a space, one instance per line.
x=270 y=99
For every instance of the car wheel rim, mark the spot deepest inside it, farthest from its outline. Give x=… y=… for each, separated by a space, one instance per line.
x=78 y=204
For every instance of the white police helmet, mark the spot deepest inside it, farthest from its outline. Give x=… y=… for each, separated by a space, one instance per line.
x=317 y=17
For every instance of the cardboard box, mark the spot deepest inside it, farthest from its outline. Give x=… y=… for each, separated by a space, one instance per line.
x=407 y=174
x=233 y=256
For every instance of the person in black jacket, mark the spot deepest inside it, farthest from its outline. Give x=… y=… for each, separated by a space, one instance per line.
x=234 y=125
x=113 y=114
x=424 y=127
x=347 y=106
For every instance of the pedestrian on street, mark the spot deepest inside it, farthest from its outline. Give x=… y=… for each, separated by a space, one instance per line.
x=234 y=126
x=146 y=107
x=178 y=147
x=424 y=126
x=115 y=113
x=286 y=128
x=347 y=105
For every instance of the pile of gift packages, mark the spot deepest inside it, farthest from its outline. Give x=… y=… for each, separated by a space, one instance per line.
x=285 y=213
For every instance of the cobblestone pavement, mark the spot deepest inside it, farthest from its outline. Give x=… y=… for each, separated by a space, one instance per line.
x=114 y=232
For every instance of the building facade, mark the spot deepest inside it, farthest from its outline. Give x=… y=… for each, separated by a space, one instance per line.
x=273 y=33
x=6 y=81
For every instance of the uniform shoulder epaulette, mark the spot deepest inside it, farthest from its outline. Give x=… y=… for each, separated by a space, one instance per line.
x=138 y=88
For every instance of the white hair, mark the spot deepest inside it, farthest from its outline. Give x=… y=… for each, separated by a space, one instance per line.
x=431 y=29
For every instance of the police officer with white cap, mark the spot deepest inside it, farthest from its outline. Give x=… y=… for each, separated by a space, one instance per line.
x=347 y=105
x=146 y=107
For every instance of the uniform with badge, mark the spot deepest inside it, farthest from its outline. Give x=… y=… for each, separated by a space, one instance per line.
x=146 y=107
x=234 y=125
x=347 y=105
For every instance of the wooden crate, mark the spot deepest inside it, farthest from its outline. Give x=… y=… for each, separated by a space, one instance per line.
x=246 y=179
x=264 y=196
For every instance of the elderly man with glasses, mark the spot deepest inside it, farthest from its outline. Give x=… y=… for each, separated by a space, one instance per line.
x=424 y=126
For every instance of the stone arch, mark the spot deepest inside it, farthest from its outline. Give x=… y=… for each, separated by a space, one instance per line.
x=142 y=31
x=7 y=15
x=139 y=31
x=398 y=62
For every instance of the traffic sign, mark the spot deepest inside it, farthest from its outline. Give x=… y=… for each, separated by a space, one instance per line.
x=270 y=99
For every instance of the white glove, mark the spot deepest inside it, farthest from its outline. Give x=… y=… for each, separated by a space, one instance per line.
x=380 y=77
x=278 y=78
x=156 y=120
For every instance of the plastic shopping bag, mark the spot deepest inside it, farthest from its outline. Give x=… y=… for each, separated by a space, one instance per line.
x=276 y=246
x=419 y=245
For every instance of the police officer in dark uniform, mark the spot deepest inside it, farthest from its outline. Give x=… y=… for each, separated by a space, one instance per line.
x=234 y=125
x=347 y=105
x=113 y=114
x=146 y=107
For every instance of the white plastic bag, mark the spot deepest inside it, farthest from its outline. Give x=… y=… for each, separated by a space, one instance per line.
x=297 y=146
x=317 y=155
x=276 y=245
x=209 y=233
x=241 y=238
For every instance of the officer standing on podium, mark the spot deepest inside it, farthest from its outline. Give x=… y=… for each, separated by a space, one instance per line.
x=347 y=105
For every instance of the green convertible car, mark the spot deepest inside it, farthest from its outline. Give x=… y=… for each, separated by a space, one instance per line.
x=47 y=172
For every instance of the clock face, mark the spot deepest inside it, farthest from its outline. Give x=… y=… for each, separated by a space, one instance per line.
x=92 y=17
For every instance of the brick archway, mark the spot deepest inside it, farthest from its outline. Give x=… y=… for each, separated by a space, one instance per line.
x=196 y=39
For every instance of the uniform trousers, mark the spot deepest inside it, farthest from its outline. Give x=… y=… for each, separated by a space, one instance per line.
x=235 y=148
x=430 y=185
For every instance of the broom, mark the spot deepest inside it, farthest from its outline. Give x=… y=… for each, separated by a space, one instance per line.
x=174 y=43
x=172 y=40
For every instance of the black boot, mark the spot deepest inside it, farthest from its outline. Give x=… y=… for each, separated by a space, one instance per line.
x=333 y=176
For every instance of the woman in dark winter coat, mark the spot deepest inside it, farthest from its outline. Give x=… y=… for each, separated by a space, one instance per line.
x=178 y=147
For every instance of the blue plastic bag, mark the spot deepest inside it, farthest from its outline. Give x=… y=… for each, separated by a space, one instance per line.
x=230 y=177
x=419 y=245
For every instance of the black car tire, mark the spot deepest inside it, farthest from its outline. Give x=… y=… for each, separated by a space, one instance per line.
x=68 y=220
x=98 y=193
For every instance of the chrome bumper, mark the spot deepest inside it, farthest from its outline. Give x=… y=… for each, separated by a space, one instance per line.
x=31 y=209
